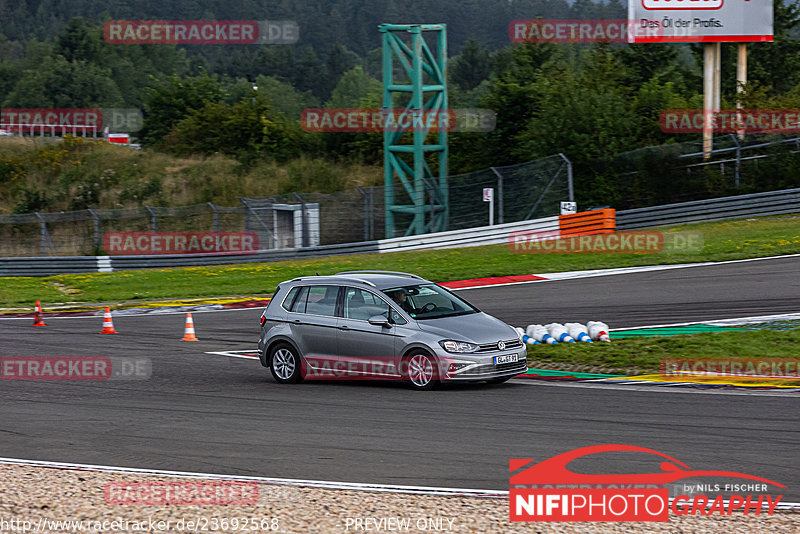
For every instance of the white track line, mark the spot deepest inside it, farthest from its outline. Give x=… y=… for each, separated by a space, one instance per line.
x=325 y=484
x=137 y=312
x=721 y=322
x=641 y=386
x=245 y=354
x=576 y=275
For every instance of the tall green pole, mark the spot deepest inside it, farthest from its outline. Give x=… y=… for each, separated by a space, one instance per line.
x=422 y=88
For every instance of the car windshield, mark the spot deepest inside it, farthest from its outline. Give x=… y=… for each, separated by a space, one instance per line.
x=429 y=301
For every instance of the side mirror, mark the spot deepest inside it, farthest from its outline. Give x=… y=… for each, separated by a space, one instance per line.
x=380 y=320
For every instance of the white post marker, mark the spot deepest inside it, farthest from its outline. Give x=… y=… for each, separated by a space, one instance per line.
x=488 y=196
x=568 y=208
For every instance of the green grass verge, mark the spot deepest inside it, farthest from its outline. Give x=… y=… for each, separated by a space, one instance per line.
x=723 y=241
x=644 y=355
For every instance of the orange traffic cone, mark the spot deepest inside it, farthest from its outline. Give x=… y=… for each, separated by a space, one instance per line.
x=189 y=334
x=108 y=324
x=38 y=319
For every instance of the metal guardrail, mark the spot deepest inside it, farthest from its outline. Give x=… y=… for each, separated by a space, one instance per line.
x=714 y=209
x=487 y=235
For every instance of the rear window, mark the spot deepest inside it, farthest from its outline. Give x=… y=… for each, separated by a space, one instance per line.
x=314 y=300
x=290 y=298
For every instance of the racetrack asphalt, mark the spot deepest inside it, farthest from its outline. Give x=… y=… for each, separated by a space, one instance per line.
x=208 y=413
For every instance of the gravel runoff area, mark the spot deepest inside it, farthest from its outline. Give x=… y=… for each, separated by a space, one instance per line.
x=34 y=494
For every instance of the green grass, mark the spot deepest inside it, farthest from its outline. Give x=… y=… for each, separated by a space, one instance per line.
x=644 y=355
x=723 y=241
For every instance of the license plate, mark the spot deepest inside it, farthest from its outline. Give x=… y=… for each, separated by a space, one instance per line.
x=506 y=358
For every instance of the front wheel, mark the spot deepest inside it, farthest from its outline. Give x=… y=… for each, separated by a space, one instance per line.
x=284 y=362
x=420 y=372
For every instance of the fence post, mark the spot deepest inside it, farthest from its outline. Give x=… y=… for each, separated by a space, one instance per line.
x=303 y=220
x=96 y=230
x=216 y=216
x=499 y=195
x=366 y=212
x=372 y=212
x=569 y=176
x=152 y=218
x=246 y=214
x=43 y=233
x=738 y=167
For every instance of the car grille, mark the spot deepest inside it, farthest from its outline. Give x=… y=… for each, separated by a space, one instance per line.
x=490 y=369
x=492 y=347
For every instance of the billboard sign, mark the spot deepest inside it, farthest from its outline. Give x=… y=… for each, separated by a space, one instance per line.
x=701 y=21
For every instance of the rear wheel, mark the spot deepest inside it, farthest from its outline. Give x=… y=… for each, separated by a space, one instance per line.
x=420 y=371
x=284 y=362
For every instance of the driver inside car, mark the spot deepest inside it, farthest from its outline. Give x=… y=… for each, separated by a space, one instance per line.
x=401 y=299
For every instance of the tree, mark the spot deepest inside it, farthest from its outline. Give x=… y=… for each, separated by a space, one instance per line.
x=284 y=98
x=339 y=61
x=59 y=83
x=77 y=43
x=472 y=66
x=174 y=100
x=356 y=89
x=248 y=130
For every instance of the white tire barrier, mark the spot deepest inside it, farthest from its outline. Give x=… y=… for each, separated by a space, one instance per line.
x=555 y=333
x=558 y=331
x=598 y=331
x=525 y=338
x=540 y=334
x=578 y=332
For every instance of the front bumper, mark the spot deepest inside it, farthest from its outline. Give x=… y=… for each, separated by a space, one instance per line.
x=485 y=369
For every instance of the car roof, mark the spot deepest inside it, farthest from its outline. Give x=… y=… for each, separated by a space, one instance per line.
x=378 y=279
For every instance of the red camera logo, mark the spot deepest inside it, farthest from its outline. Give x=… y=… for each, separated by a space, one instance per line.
x=683 y=4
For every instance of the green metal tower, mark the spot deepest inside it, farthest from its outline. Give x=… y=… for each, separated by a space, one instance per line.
x=421 y=90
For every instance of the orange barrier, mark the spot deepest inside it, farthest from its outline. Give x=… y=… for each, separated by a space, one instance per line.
x=38 y=318
x=588 y=222
x=189 y=330
x=108 y=324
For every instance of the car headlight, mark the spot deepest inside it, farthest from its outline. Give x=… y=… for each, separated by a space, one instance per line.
x=458 y=346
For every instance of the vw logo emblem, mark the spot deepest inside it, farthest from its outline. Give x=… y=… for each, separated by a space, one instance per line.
x=501 y=345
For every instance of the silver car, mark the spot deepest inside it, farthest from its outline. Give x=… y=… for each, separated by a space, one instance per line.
x=384 y=325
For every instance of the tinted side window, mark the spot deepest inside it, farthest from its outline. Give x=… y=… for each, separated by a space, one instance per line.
x=360 y=304
x=321 y=300
x=299 y=305
x=287 y=302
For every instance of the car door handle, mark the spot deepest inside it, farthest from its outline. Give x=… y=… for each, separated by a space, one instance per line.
x=344 y=327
